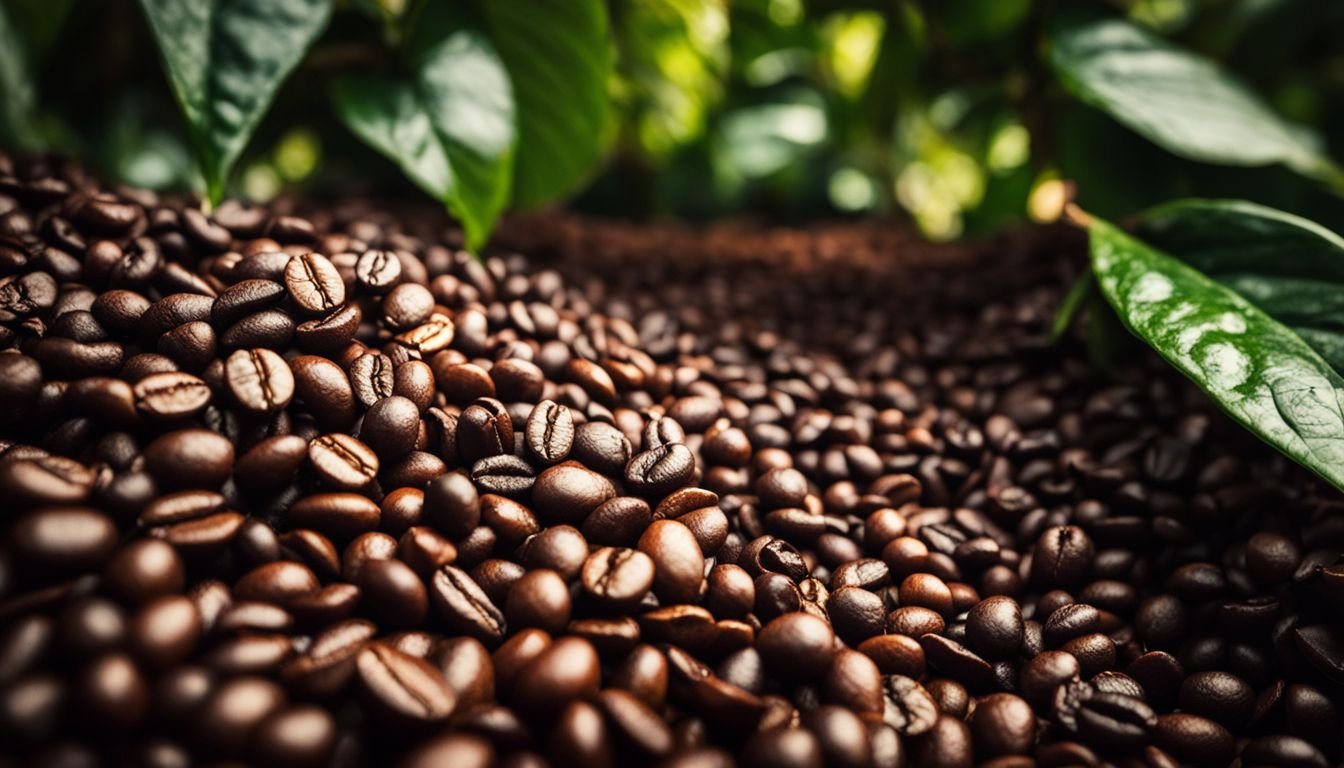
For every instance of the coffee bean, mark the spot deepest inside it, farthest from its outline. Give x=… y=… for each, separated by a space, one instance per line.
x=343 y=461
x=796 y=646
x=452 y=504
x=679 y=567
x=314 y=283
x=661 y=470
x=602 y=447
x=1194 y=739
x=1062 y=557
x=565 y=670
x=260 y=380
x=505 y=475
x=1111 y=721
x=540 y=598
x=484 y=430
x=907 y=706
x=569 y=493
x=618 y=576
x=402 y=687
x=378 y=271
x=171 y=395
x=464 y=607
x=550 y=432
x=391 y=426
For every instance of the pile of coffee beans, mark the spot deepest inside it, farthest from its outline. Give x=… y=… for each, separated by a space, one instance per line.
x=315 y=488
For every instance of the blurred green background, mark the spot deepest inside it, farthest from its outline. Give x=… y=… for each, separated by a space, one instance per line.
x=788 y=110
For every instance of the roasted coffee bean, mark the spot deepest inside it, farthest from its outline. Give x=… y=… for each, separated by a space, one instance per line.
x=660 y=470
x=171 y=395
x=391 y=426
x=618 y=576
x=601 y=447
x=679 y=567
x=550 y=432
x=372 y=378
x=314 y=284
x=564 y=671
x=797 y=646
x=452 y=504
x=260 y=380
x=484 y=430
x=505 y=475
x=568 y=493
x=402 y=687
x=464 y=607
x=1111 y=721
x=343 y=461
x=378 y=271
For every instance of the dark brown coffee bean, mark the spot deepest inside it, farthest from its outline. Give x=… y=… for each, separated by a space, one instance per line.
x=568 y=493
x=464 y=606
x=550 y=432
x=505 y=475
x=618 y=521
x=908 y=706
x=342 y=516
x=63 y=539
x=602 y=447
x=484 y=429
x=378 y=271
x=1193 y=739
x=452 y=504
x=402 y=687
x=391 y=426
x=679 y=567
x=661 y=470
x=1062 y=557
x=245 y=298
x=1110 y=721
x=325 y=390
x=170 y=396
x=260 y=380
x=797 y=646
x=618 y=576
x=330 y=332
x=314 y=284
x=539 y=599
x=46 y=480
x=343 y=461
x=565 y=670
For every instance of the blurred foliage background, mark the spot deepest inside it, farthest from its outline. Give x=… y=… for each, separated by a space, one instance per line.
x=942 y=111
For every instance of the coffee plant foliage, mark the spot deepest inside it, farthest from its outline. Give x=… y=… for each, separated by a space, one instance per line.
x=964 y=117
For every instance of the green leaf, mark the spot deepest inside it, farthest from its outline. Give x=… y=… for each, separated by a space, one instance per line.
x=37 y=22
x=1289 y=267
x=225 y=60
x=1177 y=99
x=559 y=59
x=19 y=101
x=1257 y=370
x=1224 y=236
x=449 y=124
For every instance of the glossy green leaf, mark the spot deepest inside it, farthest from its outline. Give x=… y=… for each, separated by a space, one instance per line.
x=225 y=60
x=559 y=59
x=1176 y=98
x=1226 y=236
x=449 y=123
x=1256 y=369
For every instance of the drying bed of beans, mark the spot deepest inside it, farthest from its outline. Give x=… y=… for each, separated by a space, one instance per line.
x=322 y=489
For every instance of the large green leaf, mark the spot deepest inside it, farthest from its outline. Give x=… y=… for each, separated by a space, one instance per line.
x=559 y=58
x=1259 y=371
x=225 y=60
x=1177 y=99
x=449 y=123
x=1289 y=267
